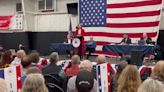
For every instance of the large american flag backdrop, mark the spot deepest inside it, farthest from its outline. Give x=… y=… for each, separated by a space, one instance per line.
x=108 y=20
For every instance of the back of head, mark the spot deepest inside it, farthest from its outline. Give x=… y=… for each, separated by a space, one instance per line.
x=3 y=86
x=34 y=57
x=33 y=70
x=54 y=57
x=7 y=57
x=25 y=62
x=151 y=85
x=129 y=80
x=20 y=53
x=120 y=68
x=75 y=59
x=34 y=83
x=86 y=65
x=101 y=59
x=84 y=83
x=158 y=70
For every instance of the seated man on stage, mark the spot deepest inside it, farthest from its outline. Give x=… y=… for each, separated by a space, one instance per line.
x=146 y=39
x=126 y=39
x=90 y=46
x=69 y=39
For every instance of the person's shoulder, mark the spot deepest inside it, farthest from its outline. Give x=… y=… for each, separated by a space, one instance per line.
x=73 y=78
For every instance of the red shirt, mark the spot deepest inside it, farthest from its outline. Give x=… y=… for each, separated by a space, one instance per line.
x=72 y=70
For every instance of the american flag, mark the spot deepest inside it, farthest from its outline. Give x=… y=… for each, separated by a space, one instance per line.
x=12 y=75
x=108 y=20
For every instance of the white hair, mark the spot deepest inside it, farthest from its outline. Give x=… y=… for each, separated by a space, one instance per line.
x=151 y=85
x=86 y=65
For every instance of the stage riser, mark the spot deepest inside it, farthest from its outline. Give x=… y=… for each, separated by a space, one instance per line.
x=41 y=40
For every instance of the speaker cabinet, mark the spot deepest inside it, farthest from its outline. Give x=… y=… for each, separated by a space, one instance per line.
x=136 y=57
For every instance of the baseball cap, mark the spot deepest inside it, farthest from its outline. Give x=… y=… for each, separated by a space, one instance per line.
x=84 y=81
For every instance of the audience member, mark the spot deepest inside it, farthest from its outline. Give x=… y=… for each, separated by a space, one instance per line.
x=19 y=55
x=99 y=60
x=33 y=70
x=34 y=59
x=114 y=80
x=151 y=85
x=52 y=68
x=90 y=46
x=25 y=62
x=84 y=83
x=158 y=71
x=126 y=39
x=74 y=69
x=6 y=59
x=84 y=65
x=3 y=86
x=34 y=83
x=129 y=80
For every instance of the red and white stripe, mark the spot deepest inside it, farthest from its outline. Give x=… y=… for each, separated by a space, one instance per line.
x=104 y=72
x=134 y=17
x=12 y=75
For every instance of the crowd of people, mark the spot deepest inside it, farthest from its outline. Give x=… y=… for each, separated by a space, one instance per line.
x=44 y=75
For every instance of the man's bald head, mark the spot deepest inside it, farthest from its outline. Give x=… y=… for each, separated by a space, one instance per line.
x=101 y=59
x=75 y=59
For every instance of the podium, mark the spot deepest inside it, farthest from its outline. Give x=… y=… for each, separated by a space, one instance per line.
x=78 y=45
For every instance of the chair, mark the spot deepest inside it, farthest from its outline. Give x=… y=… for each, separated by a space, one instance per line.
x=54 y=83
x=52 y=87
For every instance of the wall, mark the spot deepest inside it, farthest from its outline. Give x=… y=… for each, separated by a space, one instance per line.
x=8 y=7
x=62 y=4
x=30 y=8
x=58 y=21
x=54 y=22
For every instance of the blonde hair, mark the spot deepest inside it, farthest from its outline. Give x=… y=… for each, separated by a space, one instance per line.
x=3 y=86
x=151 y=85
x=158 y=70
x=129 y=79
x=34 y=83
x=86 y=65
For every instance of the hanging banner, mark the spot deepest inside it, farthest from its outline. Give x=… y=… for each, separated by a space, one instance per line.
x=5 y=22
x=11 y=22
